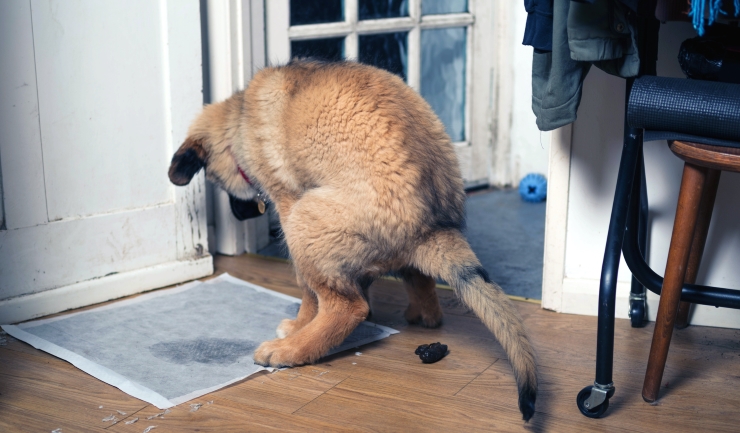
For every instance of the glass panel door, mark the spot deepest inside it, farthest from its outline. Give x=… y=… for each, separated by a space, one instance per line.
x=315 y=11
x=424 y=42
x=375 y=9
x=443 y=76
x=385 y=50
x=435 y=7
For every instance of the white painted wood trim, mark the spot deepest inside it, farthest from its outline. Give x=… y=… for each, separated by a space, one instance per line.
x=219 y=49
x=503 y=91
x=102 y=289
x=313 y=31
x=2 y=207
x=479 y=92
x=229 y=231
x=343 y=28
x=236 y=47
x=236 y=33
x=182 y=67
x=24 y=189
x=352 y=41
x=352 y=46
x=448 y=20
x=385 y=25
x=556 y=222
x=249 y=16
x=277 y=14
x=257 y=31
x=469 y=68
x=413 y=68
x=367 y=27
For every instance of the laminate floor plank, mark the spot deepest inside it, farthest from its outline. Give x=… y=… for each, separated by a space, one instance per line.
x=284 y=391
x=219 y=415
x=55 y=389
x=387 y=388
x=15 y=419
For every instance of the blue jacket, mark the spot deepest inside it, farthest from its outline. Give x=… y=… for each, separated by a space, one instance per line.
x=538 y=32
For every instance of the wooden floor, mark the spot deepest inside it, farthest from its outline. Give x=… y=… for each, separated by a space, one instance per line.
x=386 y=388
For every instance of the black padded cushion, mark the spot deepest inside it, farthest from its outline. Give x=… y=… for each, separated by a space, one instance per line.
x=677 y=108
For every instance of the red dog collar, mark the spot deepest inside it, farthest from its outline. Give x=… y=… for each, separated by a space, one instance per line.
x=244 y=175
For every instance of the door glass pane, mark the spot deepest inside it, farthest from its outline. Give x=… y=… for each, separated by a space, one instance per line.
x=385 y=50
x=374 y=9
x=321 y=49
x=315 y=11
x=432 y=7
x=443 y=76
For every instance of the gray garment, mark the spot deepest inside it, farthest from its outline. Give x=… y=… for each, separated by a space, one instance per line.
x=602 y=33
x=598 y=33
x=556 y=78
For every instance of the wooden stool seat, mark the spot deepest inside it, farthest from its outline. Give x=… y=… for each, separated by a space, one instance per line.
x=703 y=165
x=704 y=155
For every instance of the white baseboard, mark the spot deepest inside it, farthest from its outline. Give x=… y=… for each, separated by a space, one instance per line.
x=581 y=296
x=102 y=289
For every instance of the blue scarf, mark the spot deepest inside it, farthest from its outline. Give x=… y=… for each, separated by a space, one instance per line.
x=712 y=8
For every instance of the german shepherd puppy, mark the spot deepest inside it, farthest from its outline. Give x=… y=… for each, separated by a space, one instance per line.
x=366 y=182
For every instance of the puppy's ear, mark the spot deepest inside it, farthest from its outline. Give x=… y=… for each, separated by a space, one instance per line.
x=188 y=160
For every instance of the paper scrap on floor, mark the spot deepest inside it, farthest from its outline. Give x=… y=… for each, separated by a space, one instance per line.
x=171 y=346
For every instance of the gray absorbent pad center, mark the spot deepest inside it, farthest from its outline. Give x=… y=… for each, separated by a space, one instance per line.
x=174 y=345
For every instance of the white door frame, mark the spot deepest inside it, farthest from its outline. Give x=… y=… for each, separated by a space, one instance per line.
x=236 y=42
x=556 y=223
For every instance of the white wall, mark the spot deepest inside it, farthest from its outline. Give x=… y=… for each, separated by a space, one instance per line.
x=596 y=149
x=517 y=147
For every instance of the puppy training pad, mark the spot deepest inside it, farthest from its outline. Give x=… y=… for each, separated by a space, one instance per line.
x=174 y=345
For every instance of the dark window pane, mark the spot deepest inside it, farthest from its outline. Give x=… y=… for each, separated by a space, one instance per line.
x=315 y=11
x=374 y=9
x=322 y=49
x=443 y=77
x=386 y=50
x=432 y=7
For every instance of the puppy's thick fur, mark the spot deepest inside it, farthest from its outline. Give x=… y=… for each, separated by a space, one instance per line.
x=366 y=182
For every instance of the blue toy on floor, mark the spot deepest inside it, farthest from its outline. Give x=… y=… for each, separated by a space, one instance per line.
x=533 y=188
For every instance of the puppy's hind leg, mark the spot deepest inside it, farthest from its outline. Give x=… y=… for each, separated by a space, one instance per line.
x=308 y=310
x=365 y=283
x=424 y=305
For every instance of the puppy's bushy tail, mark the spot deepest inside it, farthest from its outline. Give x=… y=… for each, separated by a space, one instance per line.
x=447 y=255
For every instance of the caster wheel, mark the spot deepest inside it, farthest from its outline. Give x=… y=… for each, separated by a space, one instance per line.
x=610 y=393
x=596 y=412
x=637 y=314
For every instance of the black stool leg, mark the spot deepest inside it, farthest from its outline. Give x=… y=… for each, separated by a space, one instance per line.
x=638 y=299
x=594 y=400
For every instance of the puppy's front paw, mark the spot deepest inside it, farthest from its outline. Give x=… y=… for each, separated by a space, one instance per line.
x=278 y=354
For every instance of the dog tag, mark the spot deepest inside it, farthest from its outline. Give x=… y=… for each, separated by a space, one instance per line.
x=245 y=209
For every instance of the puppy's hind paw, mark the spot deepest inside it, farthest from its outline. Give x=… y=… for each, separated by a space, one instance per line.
x=285 y=328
